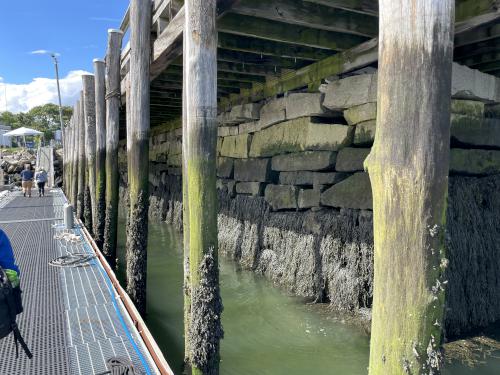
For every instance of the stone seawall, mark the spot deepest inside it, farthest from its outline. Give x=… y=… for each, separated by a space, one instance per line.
x=295 y=202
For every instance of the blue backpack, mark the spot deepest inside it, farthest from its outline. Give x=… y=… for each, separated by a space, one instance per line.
x=11 y=306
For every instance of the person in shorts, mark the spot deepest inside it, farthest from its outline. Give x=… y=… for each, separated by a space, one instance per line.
x=27 y=180
x=41 y=180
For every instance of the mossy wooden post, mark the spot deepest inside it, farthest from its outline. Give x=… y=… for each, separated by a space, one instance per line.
x=100 y=156
x=74 y=151
x=90 y=149
x=68 y=171
x=408 y=168
x=67 y=161
x=81 y=160
x=185 y=217
x=138 y=151
x=112 y=131
x=205 y=328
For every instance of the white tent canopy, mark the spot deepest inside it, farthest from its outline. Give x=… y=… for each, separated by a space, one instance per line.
x=22 y=132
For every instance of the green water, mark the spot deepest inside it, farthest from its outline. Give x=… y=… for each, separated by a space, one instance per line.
x=266 y=331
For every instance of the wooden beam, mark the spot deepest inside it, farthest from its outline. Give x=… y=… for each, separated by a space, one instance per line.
x=478 y=35
x=467 y=9
x=115 y=38
x=355 y=58
x=267 y=47
x=369 y=7
x=257 y=59
x=481 y=59
x=281 y=32
x=468 y=51
x=125 y=21
x=488 y=66
x=168 y=46
x=253 y=70
x=298 y=12
x=138 y=151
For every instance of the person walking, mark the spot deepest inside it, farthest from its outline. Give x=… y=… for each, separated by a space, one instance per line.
x=27 y=180
x=41 y=180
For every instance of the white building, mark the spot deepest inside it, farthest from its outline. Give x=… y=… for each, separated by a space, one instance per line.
x=5 y=141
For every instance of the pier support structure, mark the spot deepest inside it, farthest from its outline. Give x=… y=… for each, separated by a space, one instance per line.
x=408 y=168
x=112 y=137
x=138 y=151
x=81 y=159
x=200 y=75
x=90 y=149
x=100 y=158
x=74 y=153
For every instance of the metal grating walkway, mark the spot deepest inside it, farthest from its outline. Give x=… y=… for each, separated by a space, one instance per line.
x=72 y=320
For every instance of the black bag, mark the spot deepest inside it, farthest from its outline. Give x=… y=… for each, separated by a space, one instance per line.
x=10 y=307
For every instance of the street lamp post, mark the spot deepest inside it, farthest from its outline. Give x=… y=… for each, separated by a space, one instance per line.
x=59 y=96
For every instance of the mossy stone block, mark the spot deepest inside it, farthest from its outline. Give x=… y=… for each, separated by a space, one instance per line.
x=252 y=170
x=281 y=197
x=303 y=105
x=236 y=146
x=308 y=198
x=474 y=162
x=467 y=107
x=225 y=167
x=364 y=134
x=361 y=113
x=304 y=161
x=250 y=188
x=300 y=135
x=475 y=131
x=354 y=192
x=351 y=91
x=351 y=159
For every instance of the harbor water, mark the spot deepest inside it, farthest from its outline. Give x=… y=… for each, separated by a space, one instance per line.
x=267 y=332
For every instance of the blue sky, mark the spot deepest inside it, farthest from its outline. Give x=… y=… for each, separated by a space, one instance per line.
x=77 y=30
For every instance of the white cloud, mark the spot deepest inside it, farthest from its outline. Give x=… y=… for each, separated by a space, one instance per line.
x=44 y=52
x=40 y=91
x=105 y=19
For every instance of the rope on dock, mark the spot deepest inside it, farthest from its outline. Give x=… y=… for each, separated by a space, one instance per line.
x=72 y=260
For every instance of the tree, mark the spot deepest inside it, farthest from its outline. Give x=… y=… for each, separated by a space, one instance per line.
x=44 y=118
x=408 y=168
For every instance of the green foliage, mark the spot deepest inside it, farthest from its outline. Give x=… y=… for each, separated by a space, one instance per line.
x=44 y=118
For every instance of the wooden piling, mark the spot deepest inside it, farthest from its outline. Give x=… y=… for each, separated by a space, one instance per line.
x=112 y=132
x=138 y=151
x=74 y=153
x=408 y=168
x=185 y=217
x=68 y=171
x=205 y=328
x=90 y=149
x=100 y=162
x=66 y=162
x=81 y=160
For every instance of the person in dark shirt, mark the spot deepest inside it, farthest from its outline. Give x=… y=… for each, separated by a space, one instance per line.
x=27 y=180
x=7 y=261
